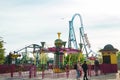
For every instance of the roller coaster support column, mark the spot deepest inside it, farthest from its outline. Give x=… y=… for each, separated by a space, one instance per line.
x=82 y=39
x=72 y=37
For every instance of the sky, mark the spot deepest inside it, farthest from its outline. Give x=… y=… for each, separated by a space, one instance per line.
x=25 y=22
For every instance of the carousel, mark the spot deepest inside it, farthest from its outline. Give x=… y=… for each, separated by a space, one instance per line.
x=59 y=52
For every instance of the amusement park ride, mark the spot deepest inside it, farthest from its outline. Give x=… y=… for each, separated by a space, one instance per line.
x=59 y=49
x=84 y=42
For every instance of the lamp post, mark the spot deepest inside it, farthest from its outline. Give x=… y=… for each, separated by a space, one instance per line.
x=43 y=59
x=64 y=43
x=43 y=44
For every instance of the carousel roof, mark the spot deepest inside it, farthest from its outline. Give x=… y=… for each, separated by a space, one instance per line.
x=67 y=50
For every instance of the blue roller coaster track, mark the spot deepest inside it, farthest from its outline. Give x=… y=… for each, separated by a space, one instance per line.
x=84 y=44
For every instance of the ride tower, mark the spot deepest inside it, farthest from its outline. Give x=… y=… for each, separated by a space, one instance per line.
x=58 y=55
x=84 y=44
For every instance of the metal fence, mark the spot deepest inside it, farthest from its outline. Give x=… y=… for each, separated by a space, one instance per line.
x=30 y=71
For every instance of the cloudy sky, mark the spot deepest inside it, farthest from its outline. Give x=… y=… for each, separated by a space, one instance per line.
x=24 y=22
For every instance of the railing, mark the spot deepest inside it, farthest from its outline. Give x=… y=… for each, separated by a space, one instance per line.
x=17 y=70
x=30 y=71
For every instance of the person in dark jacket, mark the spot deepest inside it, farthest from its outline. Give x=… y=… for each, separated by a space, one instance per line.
x=85 y=68
x=96 y=67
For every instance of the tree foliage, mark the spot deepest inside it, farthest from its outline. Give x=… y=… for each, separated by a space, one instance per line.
x=8 y=59
x=72 y=58
x=118 y=55
x=2 y=51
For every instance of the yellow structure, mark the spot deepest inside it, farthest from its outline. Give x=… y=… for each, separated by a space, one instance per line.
x=15 y=55
x=43 y=58
x=109 y=54
x=109 y=64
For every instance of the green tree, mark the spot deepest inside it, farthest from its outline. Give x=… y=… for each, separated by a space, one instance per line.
x=8 y=59
x=118 y=55
x=2 y=51
x=72 y=58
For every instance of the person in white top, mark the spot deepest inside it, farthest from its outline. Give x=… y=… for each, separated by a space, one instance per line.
x=78 y=70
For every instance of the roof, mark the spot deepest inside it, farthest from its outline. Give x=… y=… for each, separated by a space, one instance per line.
x=108 y=47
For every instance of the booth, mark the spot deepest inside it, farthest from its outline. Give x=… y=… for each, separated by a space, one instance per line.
x=109 y=57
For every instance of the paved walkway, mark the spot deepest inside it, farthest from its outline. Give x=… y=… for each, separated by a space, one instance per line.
x=112 y=76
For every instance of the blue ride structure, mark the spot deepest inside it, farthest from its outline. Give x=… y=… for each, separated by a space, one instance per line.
x=83 y=44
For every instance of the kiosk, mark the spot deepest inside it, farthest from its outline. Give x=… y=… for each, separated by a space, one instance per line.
x=109 y=64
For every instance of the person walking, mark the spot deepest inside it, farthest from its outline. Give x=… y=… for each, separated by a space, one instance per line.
x=78 y=68
x=85 y=68
x=96 y=67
